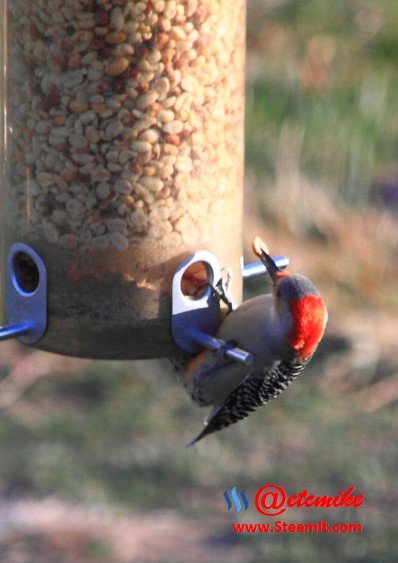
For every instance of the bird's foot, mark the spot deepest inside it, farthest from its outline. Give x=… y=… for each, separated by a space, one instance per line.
x=222 y=289
x=220 y=292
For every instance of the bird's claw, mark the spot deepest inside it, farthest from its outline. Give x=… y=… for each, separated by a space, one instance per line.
x=220 y=291
x=222 y=288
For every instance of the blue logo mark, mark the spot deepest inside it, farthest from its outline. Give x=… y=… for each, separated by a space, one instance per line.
x=236 y=499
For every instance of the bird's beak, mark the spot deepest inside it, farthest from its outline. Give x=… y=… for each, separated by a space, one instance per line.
x=260 y=248
x=272 y=268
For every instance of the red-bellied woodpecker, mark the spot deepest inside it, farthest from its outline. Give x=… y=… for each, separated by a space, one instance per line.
x=281 y=329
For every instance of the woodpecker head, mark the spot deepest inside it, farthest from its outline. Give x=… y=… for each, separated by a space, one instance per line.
x=300 y=307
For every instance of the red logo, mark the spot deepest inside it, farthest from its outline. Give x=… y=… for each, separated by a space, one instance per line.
x=272 y=500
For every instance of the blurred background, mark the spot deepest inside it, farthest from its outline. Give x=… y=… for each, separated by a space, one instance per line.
x=92 y=463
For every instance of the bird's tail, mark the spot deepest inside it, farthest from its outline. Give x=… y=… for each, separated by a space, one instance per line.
x=198 y=437
x=207 y=429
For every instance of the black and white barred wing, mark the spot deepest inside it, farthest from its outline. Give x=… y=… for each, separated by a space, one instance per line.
x=254 y=391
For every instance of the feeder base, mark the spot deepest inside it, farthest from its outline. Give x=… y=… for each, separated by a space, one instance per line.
x=147 y=340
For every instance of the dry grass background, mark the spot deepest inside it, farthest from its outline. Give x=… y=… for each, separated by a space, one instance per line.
x=92 y=464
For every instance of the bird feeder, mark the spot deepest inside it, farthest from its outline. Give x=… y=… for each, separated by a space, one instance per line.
x=122 y=156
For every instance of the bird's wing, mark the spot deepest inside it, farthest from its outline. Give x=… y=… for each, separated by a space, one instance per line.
x=256 y=390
